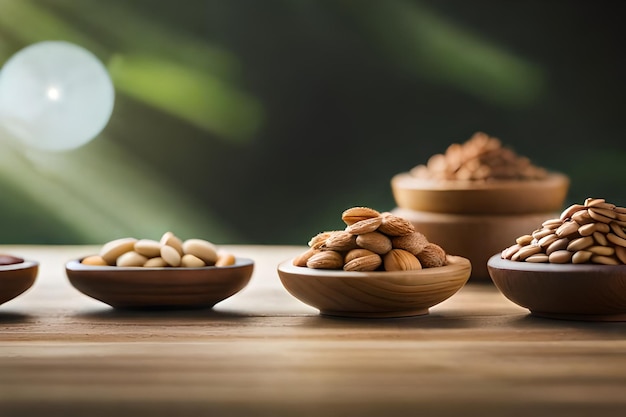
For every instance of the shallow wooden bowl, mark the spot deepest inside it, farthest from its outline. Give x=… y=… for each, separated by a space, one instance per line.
x=563 y=291
x=473 y=236
x=492 y=197
x=375 y=294
x=17 y=278
x=160 y=288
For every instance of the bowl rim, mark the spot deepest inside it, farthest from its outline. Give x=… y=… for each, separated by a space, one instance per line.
x=497 y=262
x=303 y=271
x=75 y=265
x=26 y=264
x=406 y=181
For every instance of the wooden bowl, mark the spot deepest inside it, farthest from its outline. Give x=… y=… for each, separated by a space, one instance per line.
x=491 y=197
x=375 y=294
x=160 y=288
x=473 y=236
x=17 y=278
x=563 y=291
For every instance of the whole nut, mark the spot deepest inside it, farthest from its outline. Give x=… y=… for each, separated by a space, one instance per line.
x=393 y=225
x=170 y=255
x=340 y=241
x=414 y=242
x=156 y=262
x=94 y=260
x=364 y=263
x=400 y=260
x=318 y=240
x=170 y=239
x=303 y=258
x=201 y=248
x=356 y=214
x=357 y=253
x=191 y=261
x=112 y=250
x=148 y=247
x=326 y=259
x=225 y=259
x=131 y=258
x=432 y=256
x=374 y=241
x=364 y=226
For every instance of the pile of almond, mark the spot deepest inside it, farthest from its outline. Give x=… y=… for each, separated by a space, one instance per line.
x=372 y=241
x=481 y=158
x=593 y=232
x=170 y=251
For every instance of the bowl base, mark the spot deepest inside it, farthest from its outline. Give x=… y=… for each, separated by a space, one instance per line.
x=376 y=314
x=581 y=317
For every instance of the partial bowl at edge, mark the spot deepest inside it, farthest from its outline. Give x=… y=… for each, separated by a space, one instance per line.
x=587 y=292
x=16 y=279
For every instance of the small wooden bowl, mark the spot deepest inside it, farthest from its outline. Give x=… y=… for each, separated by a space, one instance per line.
x=378 y=294
x=563 y=291
x=491 y=197
x=17 y=278
x=160 y=288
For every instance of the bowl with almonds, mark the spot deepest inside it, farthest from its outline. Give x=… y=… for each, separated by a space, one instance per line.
x=570 y=267
x=170 y=273
x=16 y=276
x=379 y=265
x=478 y=190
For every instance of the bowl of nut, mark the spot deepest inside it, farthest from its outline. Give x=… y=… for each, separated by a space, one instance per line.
x=570 y=267
x=16 y=276
x=477 y=196
x=130 y=273
x=379 y=266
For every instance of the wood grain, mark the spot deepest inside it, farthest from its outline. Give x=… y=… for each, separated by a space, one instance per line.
x=264 y=353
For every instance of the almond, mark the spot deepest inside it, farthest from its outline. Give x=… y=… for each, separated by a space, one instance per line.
x=357 y=253
x=356 y=214
x=432 y=256
x=327 y=259
x=365 y=226
x=364 y=263
x=401 y=260
x=414 y=242
x=374 y=241
x=318 y=240
x=393 y=225
x=340 y=241
x=303 y=258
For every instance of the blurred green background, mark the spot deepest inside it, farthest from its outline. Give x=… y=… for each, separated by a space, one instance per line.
x=245 y=121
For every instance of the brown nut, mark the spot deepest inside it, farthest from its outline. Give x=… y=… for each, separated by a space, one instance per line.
x=340 y=241
x=318 y=240
x=369 y=262
x=393 y=225
x=365 y=226
x=432 y=256
x=356 y=214
x=303 y=258
x=400 y=260
x=94 y=260
x=414 y=242
x=326 y=259
x=374 y=241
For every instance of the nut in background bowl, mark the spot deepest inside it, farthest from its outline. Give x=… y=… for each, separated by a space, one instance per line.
x=160 y=288
x=377 y=294
x=16 y=279
x=498 y=197
x=587 y=292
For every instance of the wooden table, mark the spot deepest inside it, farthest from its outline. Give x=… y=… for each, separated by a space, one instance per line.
x=264 y=353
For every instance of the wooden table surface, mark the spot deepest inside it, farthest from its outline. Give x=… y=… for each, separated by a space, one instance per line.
x=264 y=353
